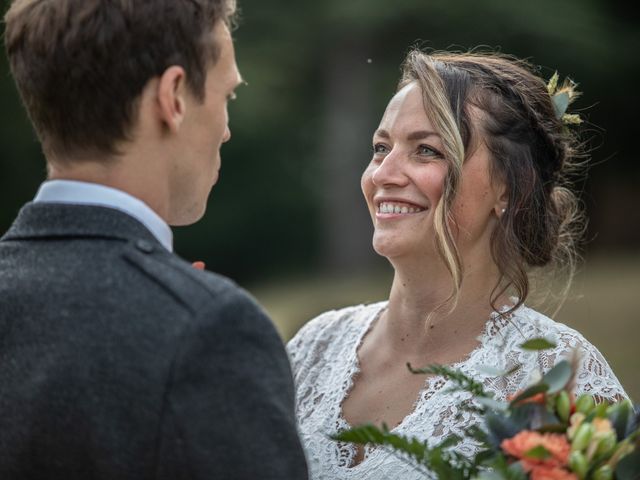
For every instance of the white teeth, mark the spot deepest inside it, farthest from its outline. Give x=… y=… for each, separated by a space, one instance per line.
x=388 y=207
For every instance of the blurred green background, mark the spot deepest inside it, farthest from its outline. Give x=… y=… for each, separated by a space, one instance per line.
x=287 y=219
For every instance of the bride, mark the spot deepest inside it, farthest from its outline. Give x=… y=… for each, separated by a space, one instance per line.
x=467 y=190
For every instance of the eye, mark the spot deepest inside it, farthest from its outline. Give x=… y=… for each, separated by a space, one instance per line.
x=380 y=149
x=426 y=150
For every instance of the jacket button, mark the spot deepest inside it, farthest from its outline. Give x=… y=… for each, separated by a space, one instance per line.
x=144 y=246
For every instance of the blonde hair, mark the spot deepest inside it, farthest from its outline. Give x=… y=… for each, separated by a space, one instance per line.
x=436 y=105
x=531 y=151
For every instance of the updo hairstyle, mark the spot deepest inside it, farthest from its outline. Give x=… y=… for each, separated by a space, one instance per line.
x=501 y=101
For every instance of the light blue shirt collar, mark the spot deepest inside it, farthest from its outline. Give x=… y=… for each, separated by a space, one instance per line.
x=84 y=193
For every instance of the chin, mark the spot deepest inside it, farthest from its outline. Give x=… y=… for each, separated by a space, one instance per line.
x=189 y=216
x=398 y=246
x=388 y=247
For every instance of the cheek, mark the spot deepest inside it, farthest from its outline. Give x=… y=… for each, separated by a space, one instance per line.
x=473 y=206
x=431 y=182
x=476 y=195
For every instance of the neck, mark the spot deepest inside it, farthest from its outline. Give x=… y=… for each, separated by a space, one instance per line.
x=414 y=323
x=142 y=180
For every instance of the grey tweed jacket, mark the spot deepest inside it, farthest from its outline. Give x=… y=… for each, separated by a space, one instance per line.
x=120 y=361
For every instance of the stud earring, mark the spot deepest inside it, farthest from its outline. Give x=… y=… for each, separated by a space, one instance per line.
x=503 y=211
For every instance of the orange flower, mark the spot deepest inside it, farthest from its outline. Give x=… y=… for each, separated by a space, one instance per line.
x=541 y=472
x=556 y=444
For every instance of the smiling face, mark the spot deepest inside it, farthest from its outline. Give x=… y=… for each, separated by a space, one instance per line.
x=404 y=183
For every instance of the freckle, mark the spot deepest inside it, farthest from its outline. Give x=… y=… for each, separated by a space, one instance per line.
x=402 y=339
x=430 y=326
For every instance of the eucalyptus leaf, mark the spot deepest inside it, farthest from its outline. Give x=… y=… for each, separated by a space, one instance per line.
x=535 y=416
x=629 y=467
x=522 y=414
x=490 y=476
x=561 y=103
x=504 y=470
x=537 y=344
x=558 y=377
x=621 y=416
x=516 y=472
x=492 y=404
x=499 y=428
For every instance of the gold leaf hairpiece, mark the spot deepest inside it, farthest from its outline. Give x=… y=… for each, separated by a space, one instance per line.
x=562 y=97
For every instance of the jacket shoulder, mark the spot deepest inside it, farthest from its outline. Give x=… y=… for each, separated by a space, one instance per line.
x=192 y=288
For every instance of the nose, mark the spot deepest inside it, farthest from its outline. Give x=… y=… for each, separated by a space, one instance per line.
x=227 y=135
x=390 y=172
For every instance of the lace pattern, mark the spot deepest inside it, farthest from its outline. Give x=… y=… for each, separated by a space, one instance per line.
x=324 y=360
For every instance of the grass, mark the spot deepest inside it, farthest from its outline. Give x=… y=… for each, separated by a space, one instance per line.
x=602 y=305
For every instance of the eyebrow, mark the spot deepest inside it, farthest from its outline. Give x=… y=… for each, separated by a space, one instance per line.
x=417 y=135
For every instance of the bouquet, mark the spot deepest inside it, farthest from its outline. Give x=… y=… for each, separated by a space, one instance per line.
x=542 y=433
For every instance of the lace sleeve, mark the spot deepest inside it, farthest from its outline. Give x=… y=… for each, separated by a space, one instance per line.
x=593 y=375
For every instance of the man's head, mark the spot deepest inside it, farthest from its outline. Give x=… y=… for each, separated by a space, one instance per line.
x=92 y=73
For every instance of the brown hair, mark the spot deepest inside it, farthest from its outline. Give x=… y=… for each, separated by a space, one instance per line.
x=532 y=152
x=81 y=65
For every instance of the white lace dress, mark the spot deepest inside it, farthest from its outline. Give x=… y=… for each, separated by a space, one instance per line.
x=324 y=361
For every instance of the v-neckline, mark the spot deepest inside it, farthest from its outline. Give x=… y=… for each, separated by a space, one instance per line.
x=352 y=369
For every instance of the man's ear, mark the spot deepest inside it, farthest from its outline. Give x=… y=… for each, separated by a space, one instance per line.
x=172 y=91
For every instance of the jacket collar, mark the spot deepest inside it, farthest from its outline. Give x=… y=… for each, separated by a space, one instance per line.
x=58 y=220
